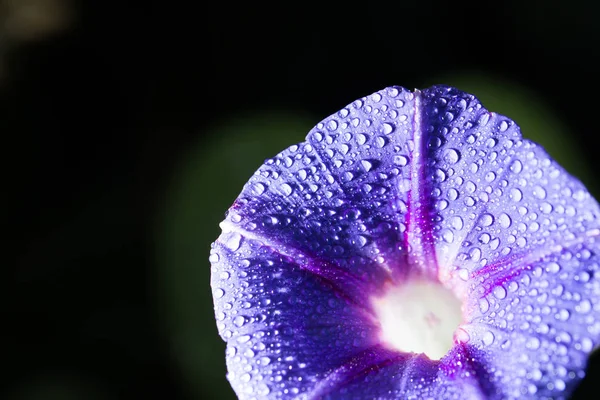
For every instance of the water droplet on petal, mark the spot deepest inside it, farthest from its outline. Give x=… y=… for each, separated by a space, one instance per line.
x=486 y=219
x=457 y=223
x=546 y=207
x=553 y=267
x=239 y=321
x=448 y=236
x=287 y=189
x=488 y=338
x=367 y=165
x=451 y=156
x=499 y=292
x=388 y=128
x=243 y=338
x=533 y=343
x=452 y=194
x=584 y=306
x=504 y=220
x=539 y=192
x=258 y=189
x=484 y=305
x=264 y=361
x=400 y=160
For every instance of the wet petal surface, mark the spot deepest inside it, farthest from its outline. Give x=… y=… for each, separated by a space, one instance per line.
x=396 y=185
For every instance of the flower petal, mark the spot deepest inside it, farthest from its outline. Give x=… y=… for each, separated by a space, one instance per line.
x=399 y=183
x=289 y=333
x=536 y=331
x=286 y=327
x=333 y=203
x=519 y=235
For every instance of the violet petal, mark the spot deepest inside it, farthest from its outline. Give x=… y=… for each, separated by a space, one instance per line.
x=397 y=184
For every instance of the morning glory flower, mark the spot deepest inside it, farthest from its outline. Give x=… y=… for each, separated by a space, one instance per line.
x=415 y=246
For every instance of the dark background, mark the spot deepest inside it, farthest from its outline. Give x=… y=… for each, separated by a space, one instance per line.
x=129 y=129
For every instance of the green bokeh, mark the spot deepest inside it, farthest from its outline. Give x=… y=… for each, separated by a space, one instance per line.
x=204 y=186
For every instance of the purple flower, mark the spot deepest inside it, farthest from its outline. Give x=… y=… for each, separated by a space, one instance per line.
x=415 y=246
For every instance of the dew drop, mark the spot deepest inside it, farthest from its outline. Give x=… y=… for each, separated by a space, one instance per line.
x=263 y=390
x=258 y=189
x=439 y=175
x=490 y=176
x=264 y=361
x=233 y=241
x=470 y=187
x=562 y=315
x=486 y=219
x=367 y=165
x=516 y=195
x=452 y=194
x=239 y=321
x=404 y=185
x=584 y=307
x=441 y=205
x=516 y=166
x=586 y=344
x=484 y=305
x=448 y=236
x=546 y=207
x=388 y=128
x=553 y=267
x=461 y=336
x=451 y=156
x=286 y=189
x=484 y=119
x=457 y=223
x=539 y=192
x=499 y=292
x=231 y=351
x=504 y=220
x=243 y=338
x=533 y=343
x=400 y=160
x=219 y=293
x=393 y=92
x=484 y=238
x=488 y=338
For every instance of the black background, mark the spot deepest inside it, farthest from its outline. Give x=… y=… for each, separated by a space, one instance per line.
x=95 y=118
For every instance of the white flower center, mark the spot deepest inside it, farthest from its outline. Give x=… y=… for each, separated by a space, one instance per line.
x=420 y=316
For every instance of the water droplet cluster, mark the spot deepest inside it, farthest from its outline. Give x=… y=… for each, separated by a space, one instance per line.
x=518 y=233
x=323 y=226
